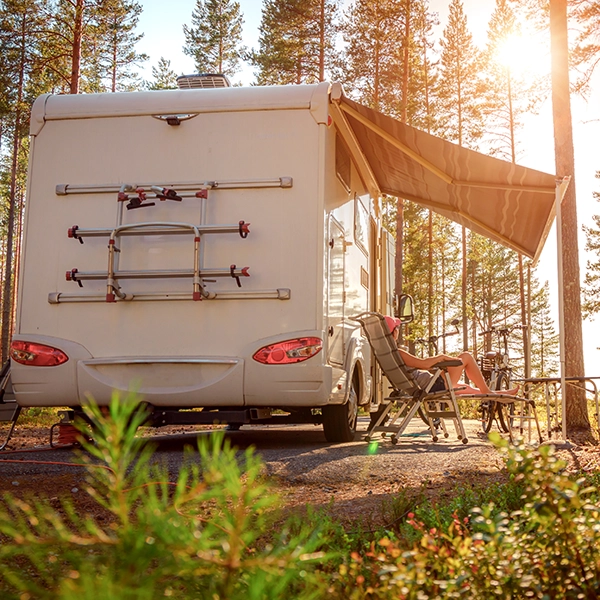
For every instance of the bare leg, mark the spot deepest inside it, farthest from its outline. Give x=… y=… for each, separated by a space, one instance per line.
x=471 y=369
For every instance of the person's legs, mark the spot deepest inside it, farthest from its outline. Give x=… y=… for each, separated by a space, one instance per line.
x=472 y=371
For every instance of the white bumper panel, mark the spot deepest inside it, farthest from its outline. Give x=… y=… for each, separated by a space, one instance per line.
x=297 y=385
x=186 y=382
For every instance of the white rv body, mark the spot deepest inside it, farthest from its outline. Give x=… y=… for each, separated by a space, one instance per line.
x=315 y=252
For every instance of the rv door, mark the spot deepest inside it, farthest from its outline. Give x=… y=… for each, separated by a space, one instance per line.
x=336 y=294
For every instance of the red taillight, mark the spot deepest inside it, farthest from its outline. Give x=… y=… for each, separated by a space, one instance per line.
x=290 y=351
x=37 y=355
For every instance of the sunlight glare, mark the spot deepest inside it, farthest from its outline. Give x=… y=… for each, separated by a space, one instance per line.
x=523 y=55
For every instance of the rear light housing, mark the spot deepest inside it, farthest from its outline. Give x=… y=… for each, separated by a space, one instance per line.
x=289 y=352
x=36 y=355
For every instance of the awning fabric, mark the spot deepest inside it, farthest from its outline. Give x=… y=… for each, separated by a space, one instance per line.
x=502 y=201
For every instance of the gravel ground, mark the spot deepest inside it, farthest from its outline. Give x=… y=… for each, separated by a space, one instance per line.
x=353 y=481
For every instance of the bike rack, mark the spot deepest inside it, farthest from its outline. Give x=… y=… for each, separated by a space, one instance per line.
x=142 y=199
x=113 y=275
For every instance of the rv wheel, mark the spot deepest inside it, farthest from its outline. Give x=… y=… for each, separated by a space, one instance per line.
x=339 y=420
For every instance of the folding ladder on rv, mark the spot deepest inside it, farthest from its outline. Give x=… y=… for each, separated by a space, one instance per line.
x=135 y=197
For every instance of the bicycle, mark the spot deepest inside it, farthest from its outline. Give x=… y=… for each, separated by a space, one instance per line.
x=497 y=371
x=433 y=350
x=432 y=341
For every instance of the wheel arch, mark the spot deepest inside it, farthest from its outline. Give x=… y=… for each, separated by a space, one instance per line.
x=357 y=368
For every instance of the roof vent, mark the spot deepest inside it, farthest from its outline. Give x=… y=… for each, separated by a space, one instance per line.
x=202 y=81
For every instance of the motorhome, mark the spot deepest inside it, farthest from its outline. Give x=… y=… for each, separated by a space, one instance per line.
x=204 y=247
x=207 y=248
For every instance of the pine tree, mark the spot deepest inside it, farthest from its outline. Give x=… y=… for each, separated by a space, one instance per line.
x=586 y=55
x=374 y=36
x=114 y=29
x=553 y=17
x=164 y=77
x=67 y=45
x=591 y=287
x=544 y=339
x=296 y=42
x=214 y=40
x=493 y=287
x=459 y=91
x=501 y=87
x=20 y=22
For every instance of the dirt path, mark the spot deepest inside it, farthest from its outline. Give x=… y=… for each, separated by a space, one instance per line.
x=352 y=481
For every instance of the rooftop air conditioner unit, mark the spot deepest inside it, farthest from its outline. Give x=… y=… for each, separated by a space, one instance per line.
x=202 y=81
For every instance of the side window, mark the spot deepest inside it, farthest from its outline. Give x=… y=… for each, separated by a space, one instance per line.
x=361 y=225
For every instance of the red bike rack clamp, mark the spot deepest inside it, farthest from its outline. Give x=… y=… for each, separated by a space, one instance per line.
x=244 y=229
x=243 y=273
x=166 y=194
x=72 y=233
x=72 y=276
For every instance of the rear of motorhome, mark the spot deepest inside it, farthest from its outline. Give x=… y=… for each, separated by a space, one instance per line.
x=205 y=248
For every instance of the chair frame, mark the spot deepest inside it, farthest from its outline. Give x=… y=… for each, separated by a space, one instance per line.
x=408 y=396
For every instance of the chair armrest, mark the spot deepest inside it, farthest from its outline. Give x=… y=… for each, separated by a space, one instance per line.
x=444 y=364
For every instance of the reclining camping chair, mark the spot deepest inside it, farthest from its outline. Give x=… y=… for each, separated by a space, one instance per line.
x=407 y=395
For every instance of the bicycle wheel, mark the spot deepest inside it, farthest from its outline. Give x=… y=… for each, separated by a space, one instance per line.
x=488 y=409
x=505 y=411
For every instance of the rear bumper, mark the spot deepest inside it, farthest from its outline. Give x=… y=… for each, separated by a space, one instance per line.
x=183 y=381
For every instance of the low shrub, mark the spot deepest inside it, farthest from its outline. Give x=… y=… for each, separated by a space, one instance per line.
x=215 y=533
x=548 y=548
x=200 y=537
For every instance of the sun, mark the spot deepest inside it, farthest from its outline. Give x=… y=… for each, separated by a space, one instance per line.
x=524 y=55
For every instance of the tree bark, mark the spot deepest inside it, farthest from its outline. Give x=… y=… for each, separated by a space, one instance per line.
x=463 y=298
x=76 y=50
x=577 y=418
x=524 y=320
x=12 y=202
x=322 y=42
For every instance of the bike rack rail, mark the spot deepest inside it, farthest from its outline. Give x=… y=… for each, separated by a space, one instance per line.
x=197 y=272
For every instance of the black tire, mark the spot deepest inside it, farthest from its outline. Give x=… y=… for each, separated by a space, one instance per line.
x=339 y=420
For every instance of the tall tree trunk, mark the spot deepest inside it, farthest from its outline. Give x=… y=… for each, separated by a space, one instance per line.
x=76 y=50
x=400 y=211
x=406 y=63
x=399 y=245
x=12 y=202
x=113 y=83
x=322 y=43
x=463 y=299
x=577 y=418
x=524 y=320
x=430 y=274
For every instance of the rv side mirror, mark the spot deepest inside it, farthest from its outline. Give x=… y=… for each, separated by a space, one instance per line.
x=405 y=308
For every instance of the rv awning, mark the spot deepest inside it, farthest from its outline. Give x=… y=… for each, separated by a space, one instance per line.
x=502 y=201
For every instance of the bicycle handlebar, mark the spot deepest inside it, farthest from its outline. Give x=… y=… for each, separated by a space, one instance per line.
x=434 y=338
x=503 y=330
